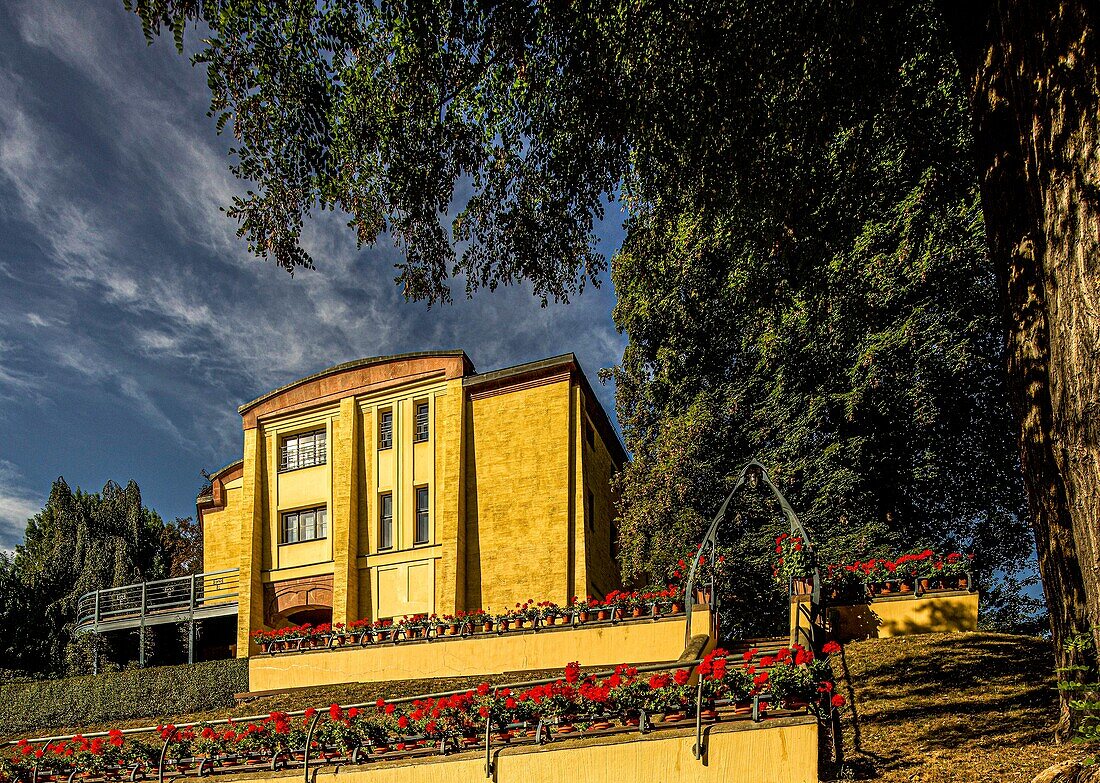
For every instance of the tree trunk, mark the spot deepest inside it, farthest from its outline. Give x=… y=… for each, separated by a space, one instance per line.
x=1032 y=74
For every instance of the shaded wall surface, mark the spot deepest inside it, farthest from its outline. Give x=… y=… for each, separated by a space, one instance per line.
x=953 y=612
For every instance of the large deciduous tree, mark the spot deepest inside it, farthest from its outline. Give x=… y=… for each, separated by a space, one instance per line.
x=537 y=111
x=1032 y=71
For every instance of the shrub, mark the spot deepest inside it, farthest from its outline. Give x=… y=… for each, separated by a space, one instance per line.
x=136 y=693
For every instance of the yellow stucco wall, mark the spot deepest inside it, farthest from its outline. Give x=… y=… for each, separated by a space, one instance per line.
x=885 y=617
x=519 y=501
x=778 y=751
x=592 y=645
x=221 y=532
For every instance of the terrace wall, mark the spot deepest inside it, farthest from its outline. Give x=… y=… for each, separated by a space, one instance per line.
x=780 y=751
x=593 y=644
x=902 y=615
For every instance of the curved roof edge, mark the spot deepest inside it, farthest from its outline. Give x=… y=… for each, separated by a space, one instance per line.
x=352 y=365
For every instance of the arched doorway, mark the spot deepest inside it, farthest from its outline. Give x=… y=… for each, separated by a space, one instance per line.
x=298 y=601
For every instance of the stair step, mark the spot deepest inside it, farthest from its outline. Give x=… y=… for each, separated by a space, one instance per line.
x=766 y=645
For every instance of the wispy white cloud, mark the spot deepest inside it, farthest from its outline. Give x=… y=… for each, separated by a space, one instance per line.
x=141 y=294
x=17 y=505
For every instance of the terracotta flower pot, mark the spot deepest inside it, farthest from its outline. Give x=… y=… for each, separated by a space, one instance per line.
x=964 y=583
x=565 y=728
x=792 y=703
x=637 y=611
x=487 y=627
x=601 y=725
x=673 y=717
x=452 y=630
x=742 y=708
x=617 y=612
x=677 y=607
x=906 y=587
x=709 y=714
x=925 y=584
x=602 y=614
x=582 y=616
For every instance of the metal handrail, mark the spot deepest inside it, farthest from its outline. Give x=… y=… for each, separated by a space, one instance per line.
x=752 y=471
x=177 y=594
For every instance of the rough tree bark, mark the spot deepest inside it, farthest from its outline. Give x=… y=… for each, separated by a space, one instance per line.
x=1032 y=73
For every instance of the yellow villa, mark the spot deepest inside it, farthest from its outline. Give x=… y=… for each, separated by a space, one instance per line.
x=409 y=484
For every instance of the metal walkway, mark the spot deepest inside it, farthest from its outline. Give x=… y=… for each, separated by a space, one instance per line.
x=183 y=599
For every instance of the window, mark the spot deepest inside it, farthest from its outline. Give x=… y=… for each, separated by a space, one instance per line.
x=421 y=433
x=385 y=430
x=421 y=516
x=589 y=434
x=591 y=511
x=303 y=450
x=385 y=521
x=306 y=525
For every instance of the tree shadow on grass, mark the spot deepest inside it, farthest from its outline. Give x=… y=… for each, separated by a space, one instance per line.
x=945 y=694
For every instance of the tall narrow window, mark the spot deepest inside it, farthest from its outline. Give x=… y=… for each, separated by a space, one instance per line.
x=421 y=516
x=421 y=433
x=591 y=511
x=385 y=430
x=308 y=524
x=303 y=450
x=385 y=521
x=589 y=434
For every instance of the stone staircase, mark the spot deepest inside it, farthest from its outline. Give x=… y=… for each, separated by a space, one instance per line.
x=764 y=645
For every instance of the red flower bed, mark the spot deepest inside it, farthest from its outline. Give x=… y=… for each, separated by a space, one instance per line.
x=794 y=678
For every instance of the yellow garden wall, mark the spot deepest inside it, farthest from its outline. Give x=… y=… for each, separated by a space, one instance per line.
x=779 y=751
x=953 y=612
x=641 y=641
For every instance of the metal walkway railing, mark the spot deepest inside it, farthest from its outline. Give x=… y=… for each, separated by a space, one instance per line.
x=183 y=599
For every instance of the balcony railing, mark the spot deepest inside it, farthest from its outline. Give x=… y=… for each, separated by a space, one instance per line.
x=182 y=599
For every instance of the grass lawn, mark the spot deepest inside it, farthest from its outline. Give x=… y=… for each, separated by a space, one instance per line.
x=950 y=707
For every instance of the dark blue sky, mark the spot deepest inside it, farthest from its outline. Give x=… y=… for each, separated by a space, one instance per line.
x=134 y=320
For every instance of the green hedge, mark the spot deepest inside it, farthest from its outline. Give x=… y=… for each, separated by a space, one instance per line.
x=44 y=705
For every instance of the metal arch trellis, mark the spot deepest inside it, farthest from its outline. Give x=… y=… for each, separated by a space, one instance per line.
x=753 y=472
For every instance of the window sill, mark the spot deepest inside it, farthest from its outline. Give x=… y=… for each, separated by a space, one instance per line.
x=303 y=541
x=302 y=467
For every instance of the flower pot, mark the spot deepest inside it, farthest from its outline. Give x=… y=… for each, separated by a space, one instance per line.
x=709 y=714
x=600 y=725
x=632 y=721
x=582 y=616
x=565 y=728
x=564 y=620
x=673 y=717
x=504 y=625
x=487 y=627
x=470 y=741
x=925 y=585
x=742 y=708
x=603 y=614
x=964 y=583
x=637 y=611
x=503 y=736
x=382 y=636
x=452 y=630
x=792 y=703
x=906 y=587
x=617 y=613
x=677 y=607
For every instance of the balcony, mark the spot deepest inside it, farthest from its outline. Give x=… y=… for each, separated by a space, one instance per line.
x=179 y=600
